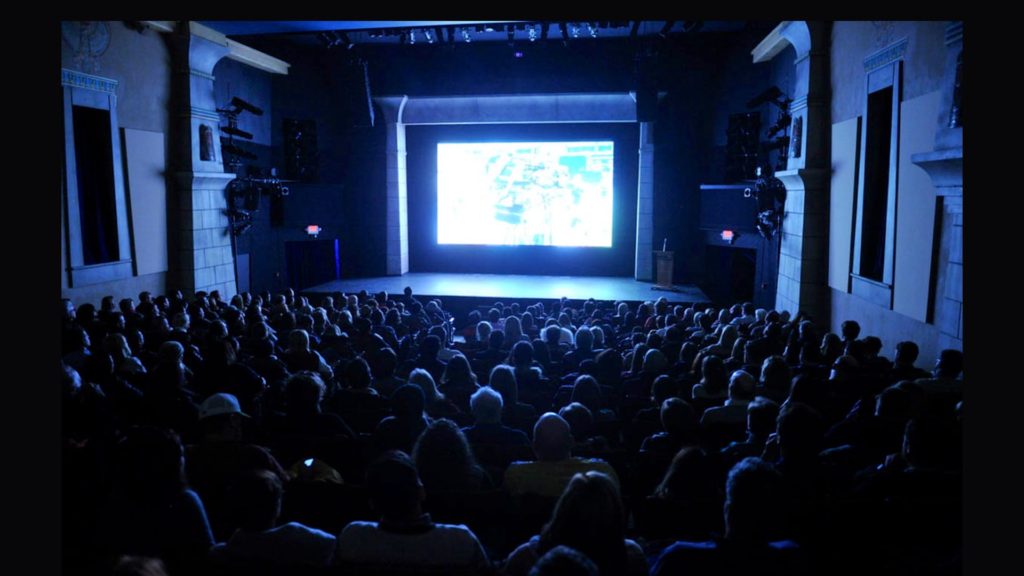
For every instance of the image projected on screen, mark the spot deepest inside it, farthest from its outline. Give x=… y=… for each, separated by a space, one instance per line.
x=525 y=193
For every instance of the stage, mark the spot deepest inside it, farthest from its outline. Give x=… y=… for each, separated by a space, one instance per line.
x=513 y=287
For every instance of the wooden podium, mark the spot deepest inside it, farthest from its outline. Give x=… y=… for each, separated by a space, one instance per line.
x=665 y=262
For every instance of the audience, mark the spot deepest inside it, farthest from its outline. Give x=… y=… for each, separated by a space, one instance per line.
x=865 y=458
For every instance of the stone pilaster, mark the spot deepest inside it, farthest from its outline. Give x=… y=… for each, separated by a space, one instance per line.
x=397 y=215
x=945 y=167
x=201 y=258
x=644 y=263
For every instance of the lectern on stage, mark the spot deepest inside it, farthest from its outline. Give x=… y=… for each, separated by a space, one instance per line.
x=665 y=262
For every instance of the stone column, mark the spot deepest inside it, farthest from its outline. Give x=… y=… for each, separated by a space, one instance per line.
x=644 y=266
x=201 y=254
x=803 y=263
x=397 y=215
x=945 y=167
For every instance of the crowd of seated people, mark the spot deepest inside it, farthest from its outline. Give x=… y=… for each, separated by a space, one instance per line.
x=371 y=434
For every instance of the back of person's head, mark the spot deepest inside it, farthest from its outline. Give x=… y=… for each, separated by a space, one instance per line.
x=357 y=372
x=713 y=374
x=894 y=403
x=298 y=341
x=589 y=517
x=654 y=361
x=150 y=464
x=486 y=405
x=423 y=380
x=678 y=418
x=564 y=561
x=254 y=497
x=139 y=566
x=850 y=330
x=907 y=352
x=522 y=353
x=304 y=391
x=584 y=339
x=587 y=391
x=430 y=346
x=384 y=362
x=872 y=345
x=503 y=381
x=394 y=485
x=741 y=385
x=808 y=390
x=753 y=494
x=483 y=329
x=442 y=451
x=690 y=477
x=663 y=388
x=762 y=416
x=775 y=374
x=552 y=334
x=580 y=419
x=458 y=370
x=950 y=364
x=552 y=438
x=801 y=430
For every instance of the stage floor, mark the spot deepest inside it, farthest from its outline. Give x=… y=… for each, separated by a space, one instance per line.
x=513 y=287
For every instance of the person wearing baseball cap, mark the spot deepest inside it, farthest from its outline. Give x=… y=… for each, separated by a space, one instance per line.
x=221 y=455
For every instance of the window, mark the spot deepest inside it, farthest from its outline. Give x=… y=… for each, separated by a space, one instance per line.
x=98 y=243
x=875 y=230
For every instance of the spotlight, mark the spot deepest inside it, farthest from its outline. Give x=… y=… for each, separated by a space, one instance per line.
x=592 y=29
x=575 y=31
x=465 y=35
x=429 y=36
x=532 y=34
x=412 y=37
x=344 y=40
x=666 y=28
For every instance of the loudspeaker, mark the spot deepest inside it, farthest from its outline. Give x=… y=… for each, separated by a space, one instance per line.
x=646 y=102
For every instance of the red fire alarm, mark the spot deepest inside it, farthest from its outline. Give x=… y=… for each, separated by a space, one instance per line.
x=313 y=230
x=728 y=236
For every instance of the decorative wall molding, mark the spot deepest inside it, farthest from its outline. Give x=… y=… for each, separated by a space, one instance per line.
x=886 y=55
x=77 y=79
x=954 y=32
x=204 y=113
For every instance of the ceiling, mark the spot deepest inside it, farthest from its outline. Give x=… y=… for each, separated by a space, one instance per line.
x=355 y=32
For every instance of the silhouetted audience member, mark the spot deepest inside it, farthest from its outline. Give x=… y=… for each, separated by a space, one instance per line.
x=486 y=406
x=444 y=460
x=588 y=517
x=407 y=421
x=750 y=546
x=152 y=511
x=222 y=455
x=404 y=537
x=555 y=465
x=255 y=501
x=564 y=561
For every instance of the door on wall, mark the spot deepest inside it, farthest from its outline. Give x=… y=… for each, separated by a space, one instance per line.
x=312 y=262
x=730 y=274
